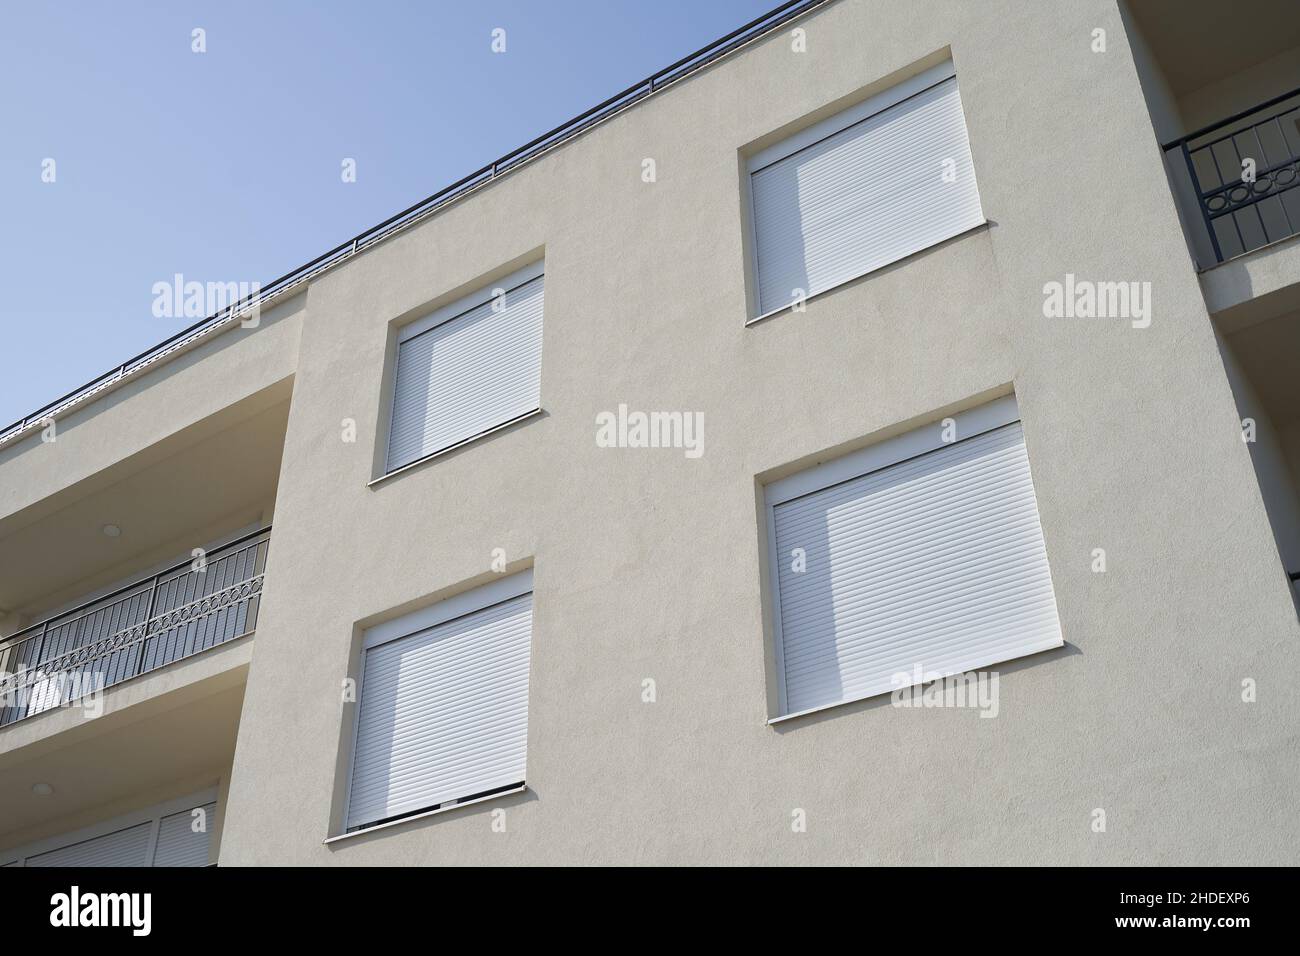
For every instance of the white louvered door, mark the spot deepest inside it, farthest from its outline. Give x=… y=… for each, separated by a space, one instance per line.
x=469 y=374
x=935 y=561
x=893 y=183
x=127 y=847
x=178 y=842
x=443 y=713
x=162 y=835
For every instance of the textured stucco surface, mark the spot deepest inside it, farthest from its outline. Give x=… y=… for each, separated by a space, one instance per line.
x=647 y=564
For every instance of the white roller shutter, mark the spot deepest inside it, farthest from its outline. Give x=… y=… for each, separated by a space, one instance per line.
x=179 y=844
x=443 y=713
x=477 y=368
x=870 y=191
x=128 y=847
x=935 y=561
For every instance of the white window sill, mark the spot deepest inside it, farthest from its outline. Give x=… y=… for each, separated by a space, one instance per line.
x=420 y=816
x=820 y=707
x=450 y=448
x=885 y=692
x=839 y=285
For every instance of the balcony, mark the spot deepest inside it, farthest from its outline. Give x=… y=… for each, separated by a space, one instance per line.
x=175 y=614
x=123 y=658
x=1243 y=172
x=134 y=701
x=1222 y=89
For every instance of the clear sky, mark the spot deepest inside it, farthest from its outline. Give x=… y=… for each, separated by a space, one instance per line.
x=226 y=165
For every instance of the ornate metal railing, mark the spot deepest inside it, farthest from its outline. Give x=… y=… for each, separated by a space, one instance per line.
x=1242 y=170
x=756 y=29
x=175 y=614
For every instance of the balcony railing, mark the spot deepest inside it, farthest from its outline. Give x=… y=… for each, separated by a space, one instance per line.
x=177 y=613
x=1242 y=171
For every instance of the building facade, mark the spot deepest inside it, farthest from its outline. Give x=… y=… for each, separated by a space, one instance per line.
x=639 y=501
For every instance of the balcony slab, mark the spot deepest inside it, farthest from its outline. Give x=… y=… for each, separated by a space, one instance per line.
x=139 y=698
x=1254 y=287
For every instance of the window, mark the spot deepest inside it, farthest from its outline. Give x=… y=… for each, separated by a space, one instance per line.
x=915 y=554
x=442 y=712
x=172 y=834
x=467 y=369
x=878 y=182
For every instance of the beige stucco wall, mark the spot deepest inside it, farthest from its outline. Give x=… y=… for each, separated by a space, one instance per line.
x=647 y=564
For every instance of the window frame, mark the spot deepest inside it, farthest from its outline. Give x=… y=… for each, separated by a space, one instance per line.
x=813 y=134
x=426 y=323
x=399 y=628
x=913 y=443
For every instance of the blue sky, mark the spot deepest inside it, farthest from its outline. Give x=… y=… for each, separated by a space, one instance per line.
x=225 y=165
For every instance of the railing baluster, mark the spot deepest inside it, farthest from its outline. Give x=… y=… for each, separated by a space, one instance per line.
x=1286 y=140
x=148 y=618
x=202 y=588
x=40 y=650
x=188 y=590
x=1250 y=188
x=1232 y=215
x=40 y=658
x=1200 y=201
x=1263 y=151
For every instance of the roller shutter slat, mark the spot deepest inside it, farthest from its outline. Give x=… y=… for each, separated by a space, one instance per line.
x=178 y=844
x=864 y=197
x=468 y=375
x=937 y=561
x=128 y=847
x=443 y=713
